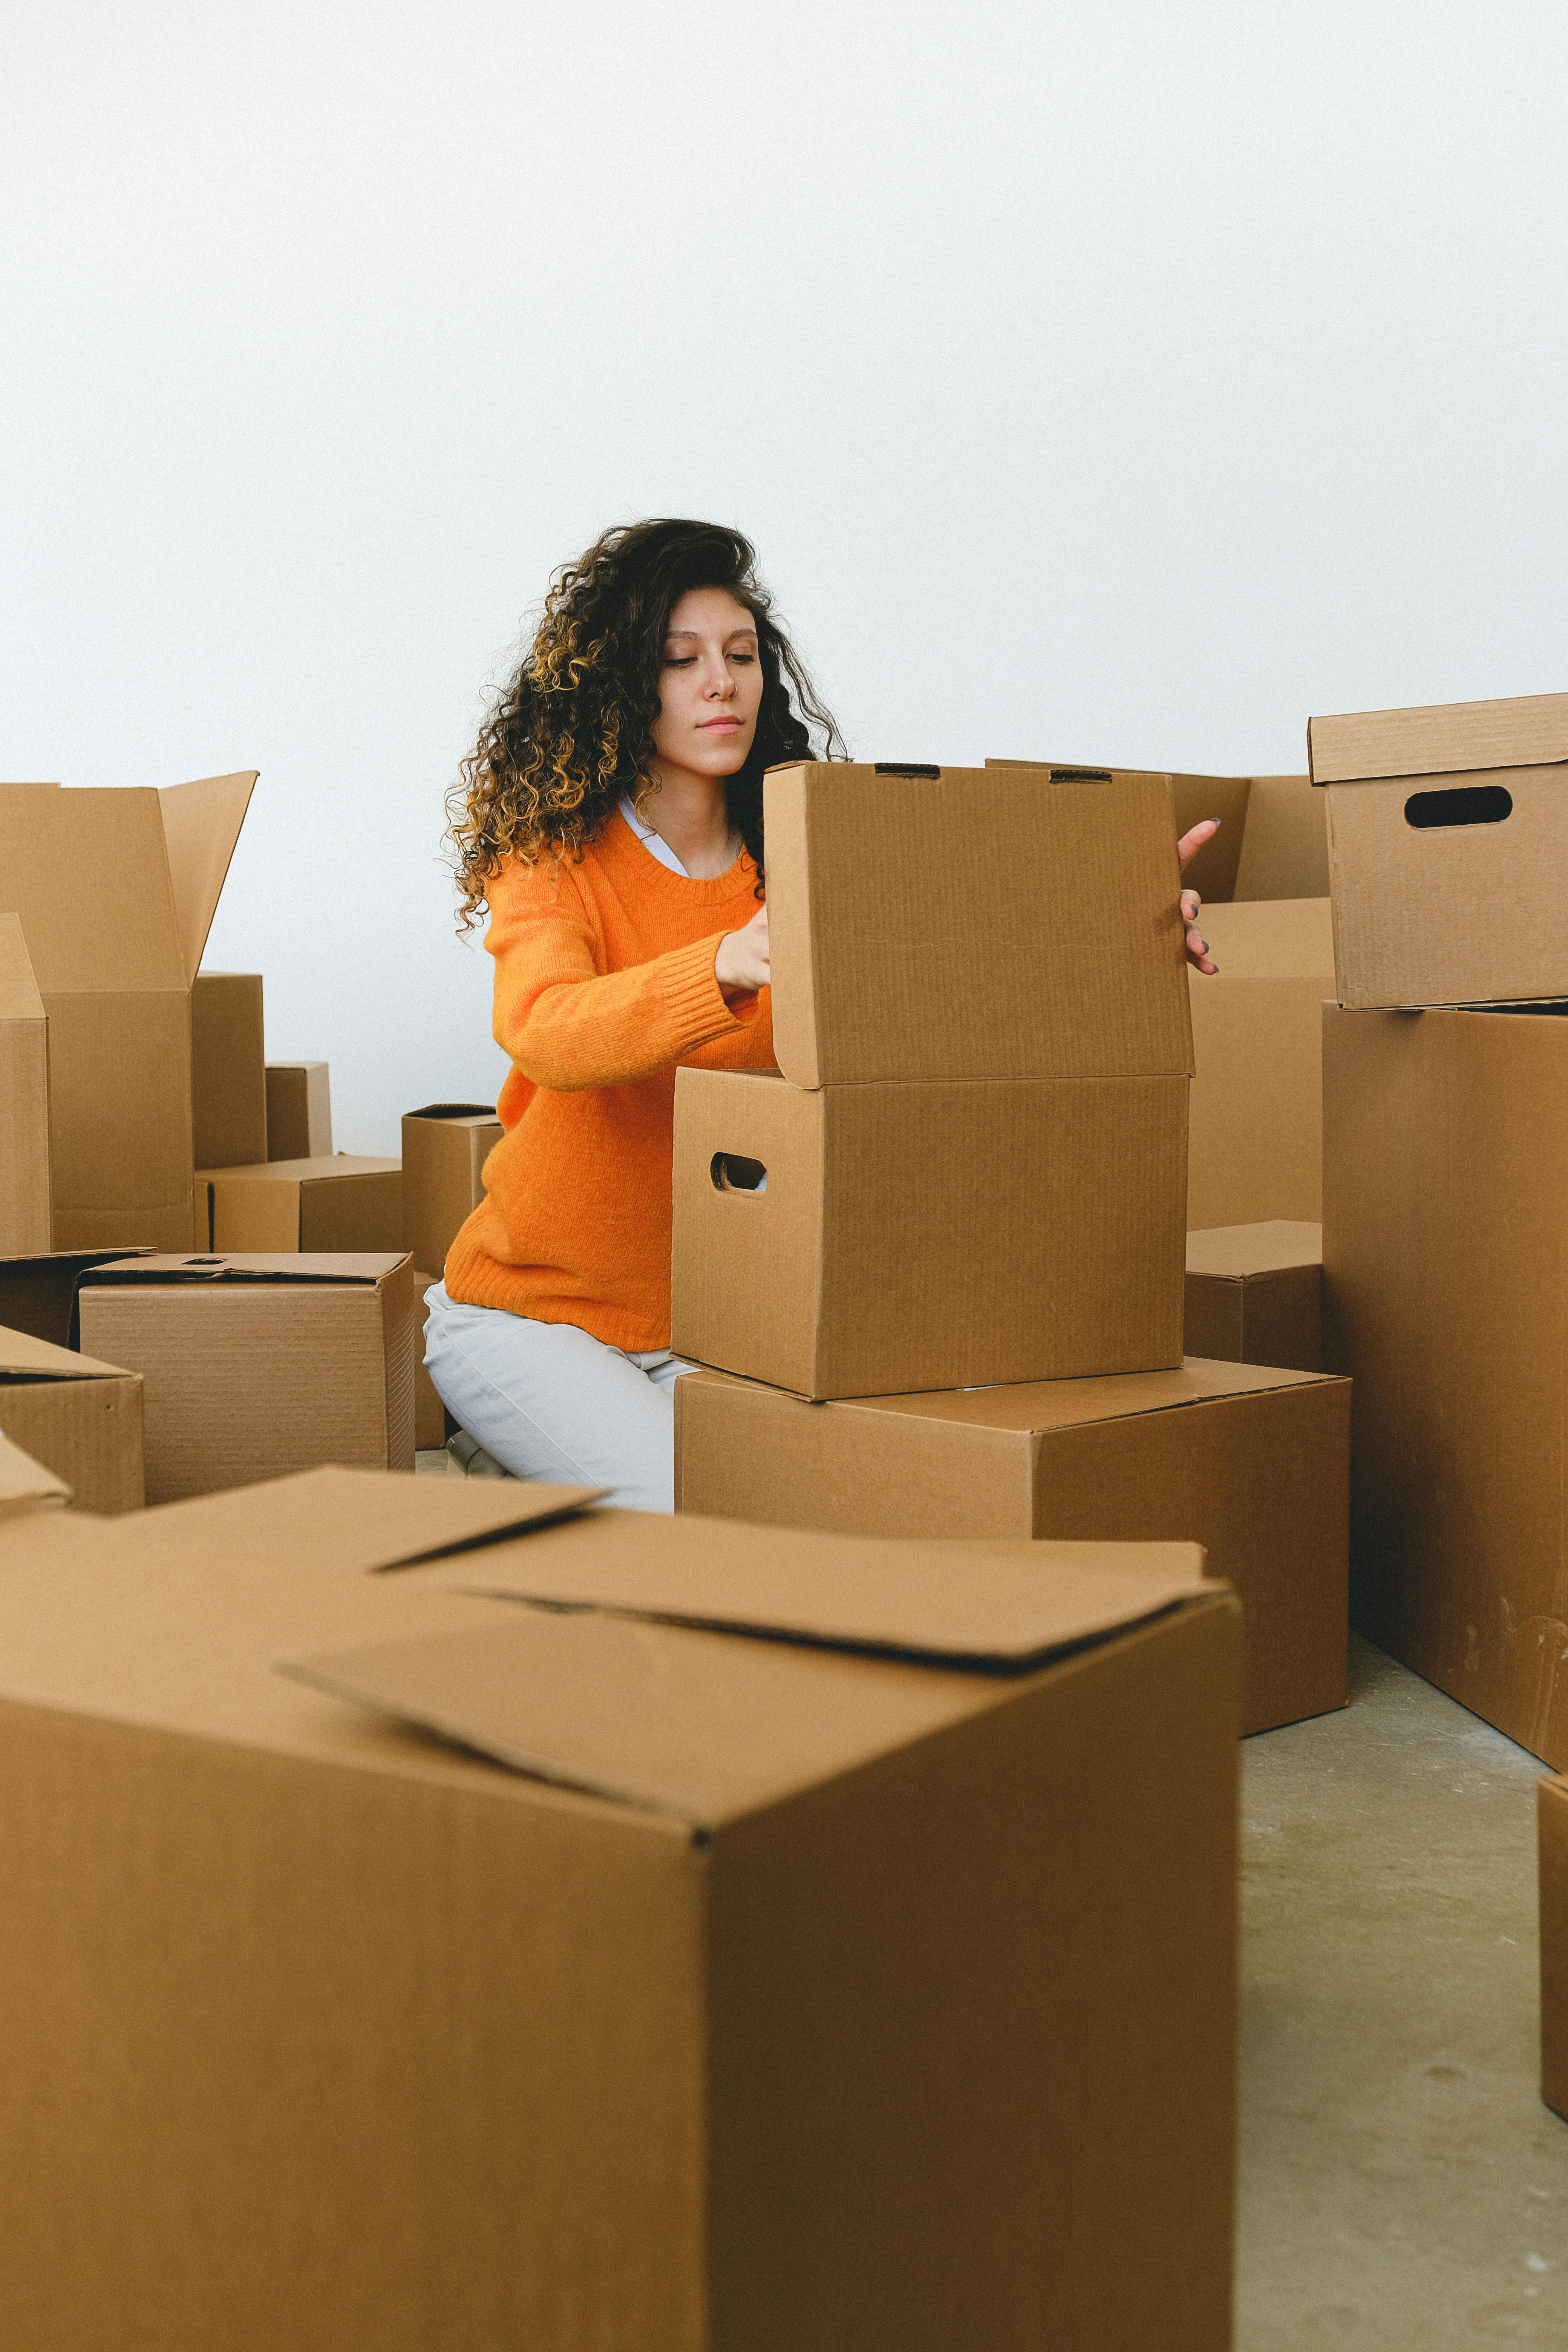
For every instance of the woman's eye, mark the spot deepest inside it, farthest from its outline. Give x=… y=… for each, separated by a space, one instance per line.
x=743 y=657
x=678 y=661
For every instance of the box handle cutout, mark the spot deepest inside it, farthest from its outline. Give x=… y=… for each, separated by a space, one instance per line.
x=897 y=768
x=732 y=1173
x=1081 y=775
x=1459 y=804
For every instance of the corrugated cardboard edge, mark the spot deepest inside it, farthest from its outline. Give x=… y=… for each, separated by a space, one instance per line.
x=202 y=822
x=1523 y=731
x=786 y=802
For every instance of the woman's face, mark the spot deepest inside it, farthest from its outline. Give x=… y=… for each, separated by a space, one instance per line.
x=710 y=685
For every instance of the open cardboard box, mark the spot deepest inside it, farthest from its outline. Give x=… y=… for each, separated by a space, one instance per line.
x=630 y=1932
x=80 y=1418
x=114 y=957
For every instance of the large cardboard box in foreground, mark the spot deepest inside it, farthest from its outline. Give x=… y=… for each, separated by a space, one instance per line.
x=870 y=1983
x=1255 y=1295
x=445 y=1147
x=346 y=1202
x=114 y=955
x=255 y=1365
x=82 y=1419
x=1445 y=1293
x=1552 y=1833
x=1447 y=850
x=1254 y=1148
x=1252 y=1463
x=23 y=1098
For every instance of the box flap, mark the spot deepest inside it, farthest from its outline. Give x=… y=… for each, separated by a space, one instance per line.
x=360 y=1266
x=114 y=927
x=1041 y=1405
x=465 y=1114
x=1237 y=1252
x=25 y=1484
x=19 y=998
x=1272 y=938
x=201 y=827
x=25 y=1358
x=894 y=1598
x=1445 y=739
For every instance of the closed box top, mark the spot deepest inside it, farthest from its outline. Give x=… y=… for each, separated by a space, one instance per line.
x=365 y=1269
x=1238 y=1253
x=952 y=923
x=1445 y=739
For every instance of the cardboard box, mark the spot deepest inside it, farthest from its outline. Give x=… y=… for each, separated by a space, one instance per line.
x=445 y=1147
x=23 y=1098
x=429 y=1413
x=1273 y=836
x=794 y=1993
x=37 y=1292
x=256 y=1365
x=927 y=1236
x=114 y=956
x=298 y=1111
x=1552 y=1829
x=25 y=1487
x=228 y=1069
x=906 y=930
x=1447 y=849
x=1445 y=1279
x=1213 y=870
x=346 y=1202
x=1252 y=1464
x=80 y=1418
x=1255 y=1295
x=1255 y=1127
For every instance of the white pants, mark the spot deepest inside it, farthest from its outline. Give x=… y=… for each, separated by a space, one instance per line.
x=551 y=1402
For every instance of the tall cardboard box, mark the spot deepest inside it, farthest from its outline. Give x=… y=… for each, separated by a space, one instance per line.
x=228 y=1069
x=1552 y=1831
x=299 y=1111
x=972 y=1167
x=82 y=1419
x=1256 y=1124
x=254 y=1366
x=1252 y=1463
x=114 y=957
x=1255 y=1295
x=445 y=1147
x=1447 y=850
x=1445 y=1293
x=538 y=1976
x=23 y=1098
x=346 y=1202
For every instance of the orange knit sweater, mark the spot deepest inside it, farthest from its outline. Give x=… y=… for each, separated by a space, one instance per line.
x=603 y=983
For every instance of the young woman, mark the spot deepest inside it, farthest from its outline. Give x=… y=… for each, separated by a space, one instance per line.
x=611 y=819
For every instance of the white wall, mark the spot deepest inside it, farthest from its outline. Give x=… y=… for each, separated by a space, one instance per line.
x=1102 y=381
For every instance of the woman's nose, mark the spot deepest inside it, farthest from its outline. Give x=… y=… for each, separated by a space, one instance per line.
x=719 y=684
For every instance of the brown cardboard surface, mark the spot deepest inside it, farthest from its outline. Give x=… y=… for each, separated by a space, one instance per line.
x=429 y=1413
x=24 y=1098
x=26 y=1484
x=1552 y=1829
x=1255 y=1132
x=381 y=2031
x=1214 y=869
x=80 y=1418
x=228 y=1069
x=37 y=1289
x=445 y=1147
x=926 y=1236
x=345 y=1202
x=1255 y=1295
x=299 y=1111
x=1250 y=1463
x=1444 y=1268
x=904 y=920
x=1285 y=844
x=114 y=957
x=256 y=1366
x=1524 y=730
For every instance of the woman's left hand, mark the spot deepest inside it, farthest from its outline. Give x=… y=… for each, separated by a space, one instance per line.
x=1187 y=849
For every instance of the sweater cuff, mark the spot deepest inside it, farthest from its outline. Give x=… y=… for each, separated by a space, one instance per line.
x=696 y=1001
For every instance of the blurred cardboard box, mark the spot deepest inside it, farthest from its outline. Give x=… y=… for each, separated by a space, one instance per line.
x=255 y=1365
x=1252 y=1463
x=25 y=1487
x=588 y=1978
x=1552 y=1833
x=23 y=1098
x=429 y=1413
x=1445 y=1293
x=346 y=1202
x=859 y=1239
x=114 y=957
x=445 y=1147
x=1447 y=849
x=1254 y=1148
x=1255 y=1295
x=82 y=1419
x=37 y=1290
x=228 y=1069
x=299 y=1111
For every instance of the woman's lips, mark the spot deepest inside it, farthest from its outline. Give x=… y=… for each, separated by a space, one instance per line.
x=720 y=726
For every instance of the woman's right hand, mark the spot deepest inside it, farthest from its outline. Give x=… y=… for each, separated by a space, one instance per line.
x=742 y=962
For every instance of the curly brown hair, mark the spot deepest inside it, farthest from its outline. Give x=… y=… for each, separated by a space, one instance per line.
x=572 y=733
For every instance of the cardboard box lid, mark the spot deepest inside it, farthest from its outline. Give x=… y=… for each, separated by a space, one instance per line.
x=201 y=827
x=956 y=923
x=324 y=1168
x=25 y=1484
x=19 y=998
x=1445 y=739
x=23 y=1357
x=1240 y=1253
x=366 y=1267
x=1272 y=938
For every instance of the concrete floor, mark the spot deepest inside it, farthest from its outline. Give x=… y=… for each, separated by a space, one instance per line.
x=1401 y=2184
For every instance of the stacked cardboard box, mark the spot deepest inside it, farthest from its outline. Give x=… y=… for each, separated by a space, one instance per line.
x=1255 y=1295
x=299 y=1111
x=857 y=1971
x=920 y=1253
x=445 y=1147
